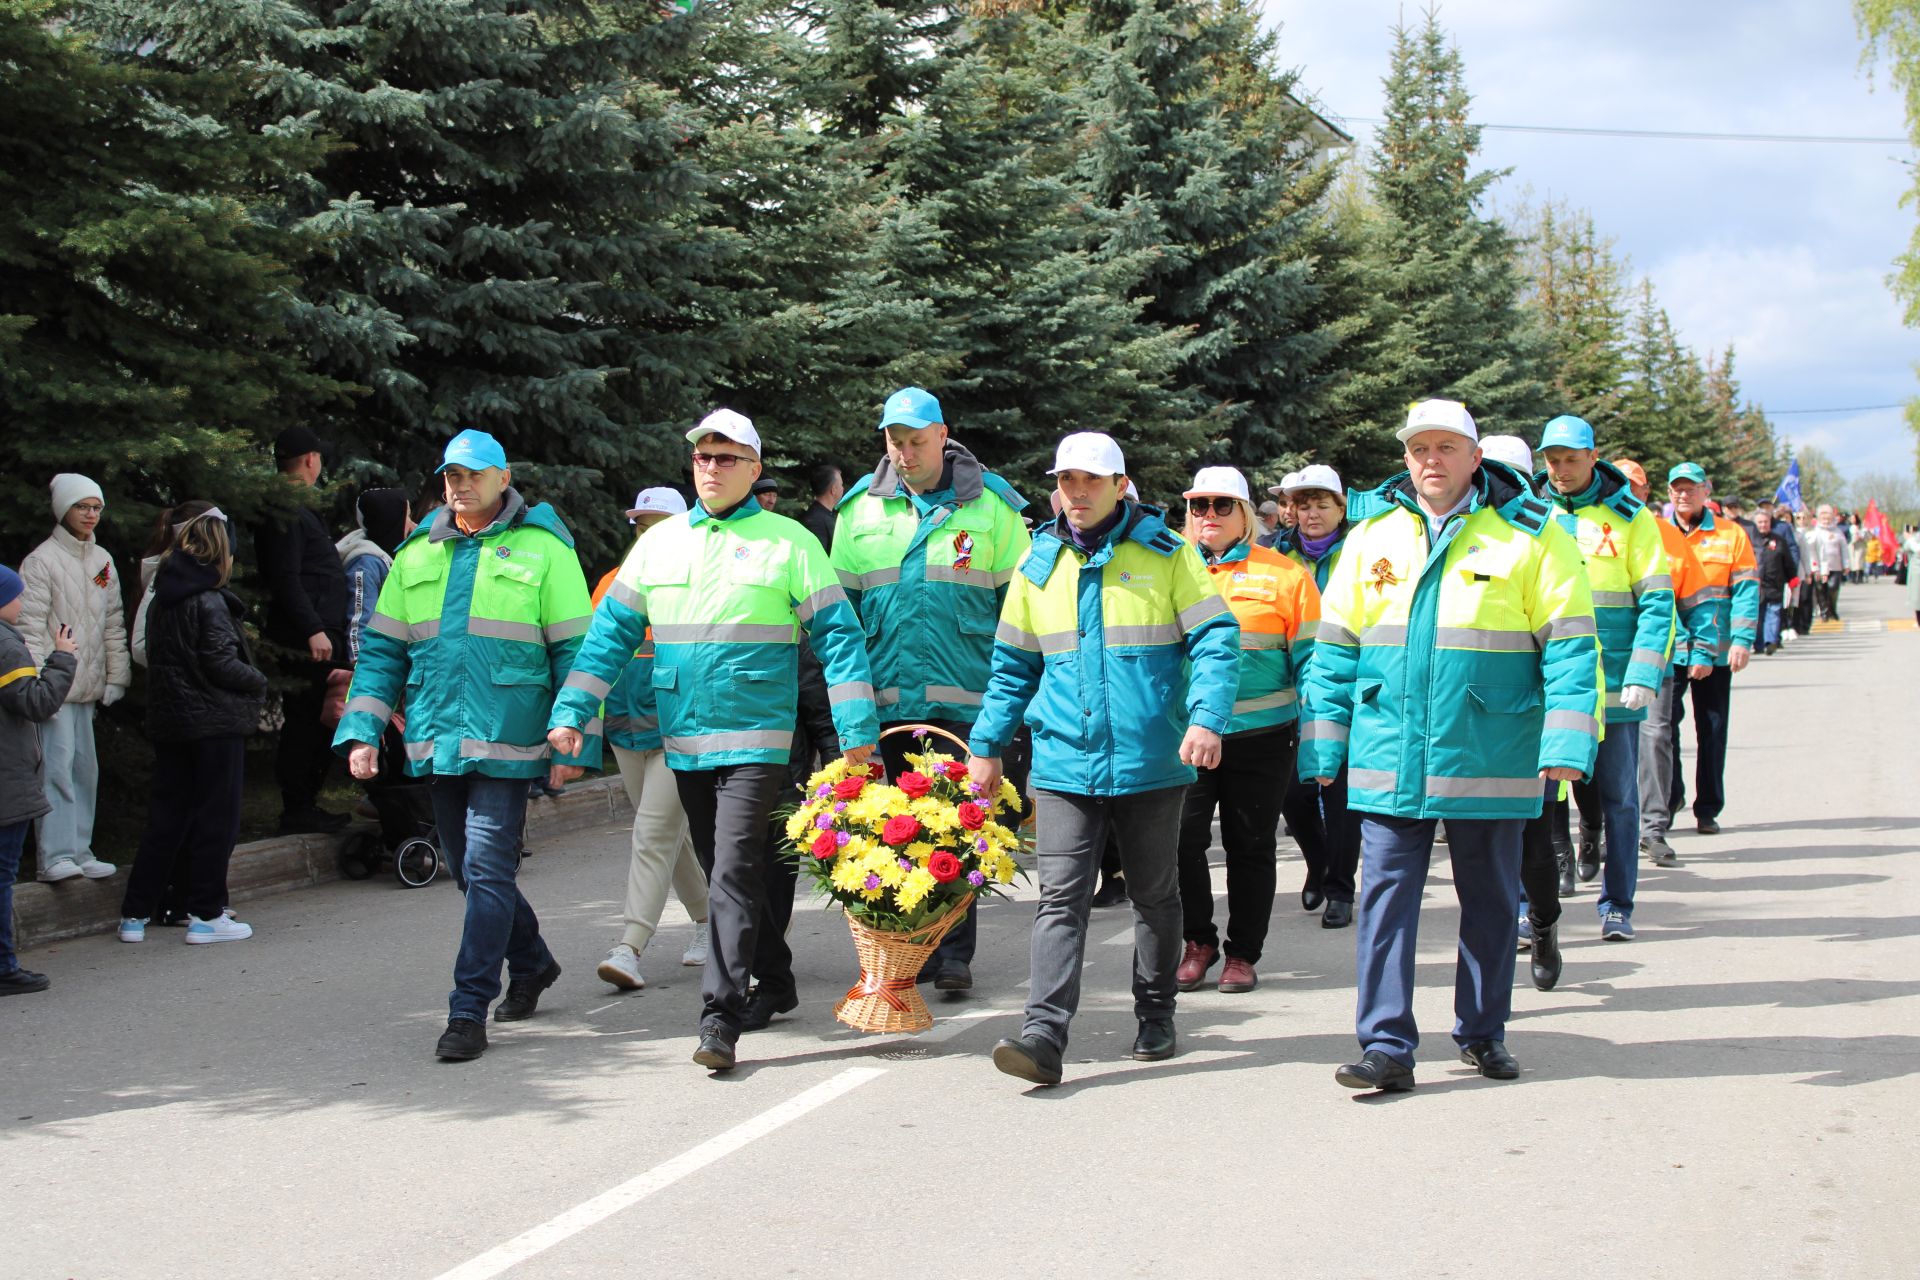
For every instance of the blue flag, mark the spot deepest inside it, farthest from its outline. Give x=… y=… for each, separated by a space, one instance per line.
x=1789 y=490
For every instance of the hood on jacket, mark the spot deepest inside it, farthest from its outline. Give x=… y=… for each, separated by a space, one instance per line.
x=439 y=525
x=1494 y=484
x=358 y=543
x=1609 y=488
x=181 y=576
x=962 y=473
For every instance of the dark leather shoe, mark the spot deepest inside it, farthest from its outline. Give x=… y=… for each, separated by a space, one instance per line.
x=1708 y=827
x=1155 y=1041
x=1338 y=914
x=523 y=995
x=763 y=1004
x=715 y=1051
x=1492 y=1058
x=1194 y=963
x=1030 y=1058
x=1112 y=892
x=1567 y=887
x=1376 y=1070
x=1311 y=899
x=1546 y=955
x=23 y=982
x=462 y=1041
x=1588 y=859
x=954 y=975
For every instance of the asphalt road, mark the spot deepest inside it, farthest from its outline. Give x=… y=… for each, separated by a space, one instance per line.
x=1732 y=1094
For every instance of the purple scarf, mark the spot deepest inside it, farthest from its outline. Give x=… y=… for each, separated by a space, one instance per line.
x=1317 y=547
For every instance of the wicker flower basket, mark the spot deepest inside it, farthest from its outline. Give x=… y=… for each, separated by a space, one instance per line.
x=886 y=998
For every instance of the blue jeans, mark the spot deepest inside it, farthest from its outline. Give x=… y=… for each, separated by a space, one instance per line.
x=13 y=838
x=478 y=820
x=1616 y=775
x=1770 y=623
x=1394 y=855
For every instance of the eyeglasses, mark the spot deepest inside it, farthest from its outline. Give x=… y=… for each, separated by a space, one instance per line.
x=1218 y=506
x=717 y=461
x=88 y=508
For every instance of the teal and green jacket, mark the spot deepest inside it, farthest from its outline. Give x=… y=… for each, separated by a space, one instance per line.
x=474 y=634
x=727 y=597
x=927 y=573
x=1630 y=576
x=1109 y=657
x=1449 y=672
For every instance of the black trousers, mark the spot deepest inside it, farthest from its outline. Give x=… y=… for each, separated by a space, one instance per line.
x=1827 y=592
x=1328 y=832
x=779 y=880
x=305 y=752
x=195 y=811
x=1586 y=797
x=1247 y=787
x=1711 y=698
x=1542 y=842
x=727 y=812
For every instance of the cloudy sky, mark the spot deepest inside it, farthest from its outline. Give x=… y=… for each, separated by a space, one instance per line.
x=1780 y=249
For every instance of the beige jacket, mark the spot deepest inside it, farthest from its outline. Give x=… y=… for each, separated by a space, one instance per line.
x=74 y=582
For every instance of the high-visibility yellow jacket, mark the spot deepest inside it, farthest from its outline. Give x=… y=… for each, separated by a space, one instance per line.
x=1110 y=657
x=1278 y=609
x=726 y=598
x=476 y=632
x=1447 y=673
x=1733 y=584
x=1630 y=576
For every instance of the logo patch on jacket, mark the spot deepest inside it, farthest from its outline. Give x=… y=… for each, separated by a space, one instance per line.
x=963 y=550
x=1129 y=579
x=741 y=553
x=505 y=553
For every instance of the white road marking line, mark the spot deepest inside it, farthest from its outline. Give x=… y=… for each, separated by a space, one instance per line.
x=947 y=1028
x=602 y=1009
x=629 y=1193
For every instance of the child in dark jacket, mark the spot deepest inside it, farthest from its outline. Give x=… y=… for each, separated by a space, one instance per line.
x=29 y=697
x=203 y=699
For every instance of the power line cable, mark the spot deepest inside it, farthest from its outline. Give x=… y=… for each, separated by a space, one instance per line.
x=1858 y=408
x=1671 y=135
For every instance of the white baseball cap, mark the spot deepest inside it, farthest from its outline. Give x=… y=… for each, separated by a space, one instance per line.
x=1090 y=451
x=1285 y=486
x=1131 y=491
x=1439 y=415
x=736 y=427
x=1511 y=450
x=661 y=501
x=1218 y=482
x=1317 y=476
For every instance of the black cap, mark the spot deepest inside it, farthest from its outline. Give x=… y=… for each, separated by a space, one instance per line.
x=295 y=442
x=766 y=484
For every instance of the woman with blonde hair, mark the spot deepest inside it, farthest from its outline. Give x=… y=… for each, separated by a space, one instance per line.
x=203 y=699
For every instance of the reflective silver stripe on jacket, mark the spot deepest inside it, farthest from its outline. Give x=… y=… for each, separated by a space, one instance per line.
x=1653 y=582
x=1647 y=658
x=850 y=691
x=1384 y=633
x=1747 y=575
x=475 y=749
x=1308 y=629
x=1058 y=641
x=500 y=629
x=1576 y=720
x=1261 y=640
x=592 y=684
x=886 y=697
x=420 y=750
x=824 y=598
x=632 y=724
x=1007 y=633
x=1200 y=611
x=1334 y=633
x=1485 y=639
x=567 y=630
x=1527 y=788
x=1265 y=702
x=1695 y=600
x=1566 y=629
x=1147 y=633
x=631 y=597
x=392 y=628
x=724 y=632
x=371 y=705
x=740 y=740
x=1371 y=780
x=952 y=695
x=967 y=577
x=1613 y=600
x=869 y=580
x=1324 y=730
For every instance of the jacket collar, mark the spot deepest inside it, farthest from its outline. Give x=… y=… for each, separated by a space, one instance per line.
x=1233 y=555
x=745 y=509
x=1495 y=486
x=962 y=471
x=64 y=539
x=512 y=512
x=1608 y=488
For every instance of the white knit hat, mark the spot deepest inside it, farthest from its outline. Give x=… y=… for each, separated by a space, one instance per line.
x=70 y=487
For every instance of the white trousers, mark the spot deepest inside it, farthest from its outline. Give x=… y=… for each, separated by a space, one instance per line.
x=662 y=849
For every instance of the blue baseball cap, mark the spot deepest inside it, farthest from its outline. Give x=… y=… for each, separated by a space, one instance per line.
x=1687 y=471
x=911 y=407
x=474 y=450
x=1567 y=432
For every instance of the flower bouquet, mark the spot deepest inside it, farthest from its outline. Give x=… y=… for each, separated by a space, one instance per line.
x=905 y=860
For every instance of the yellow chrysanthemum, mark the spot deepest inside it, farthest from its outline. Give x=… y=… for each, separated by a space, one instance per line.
x=800 y=821
x=915 y=887
x=919 y=851
x=870 y=895
x=848 y=875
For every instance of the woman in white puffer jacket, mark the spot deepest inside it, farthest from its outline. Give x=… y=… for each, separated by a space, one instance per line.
x=71 y=580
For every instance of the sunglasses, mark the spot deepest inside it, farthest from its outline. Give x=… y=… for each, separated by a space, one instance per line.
x=717 y=461
x=1218 y=506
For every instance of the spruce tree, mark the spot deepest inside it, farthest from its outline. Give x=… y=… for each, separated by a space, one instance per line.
x=139 y=300
x=1576 y=295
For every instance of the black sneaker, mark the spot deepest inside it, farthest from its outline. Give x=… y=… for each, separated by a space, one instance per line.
x=763 y=1004
x=523 y=994
x=313 y=822
x=462 y=1041
x=23 y=982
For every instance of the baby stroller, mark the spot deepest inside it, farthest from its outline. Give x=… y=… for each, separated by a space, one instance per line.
x=407 y=834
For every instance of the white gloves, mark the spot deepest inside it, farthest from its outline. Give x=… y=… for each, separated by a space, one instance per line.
x=1636 y=697
x=113 y=694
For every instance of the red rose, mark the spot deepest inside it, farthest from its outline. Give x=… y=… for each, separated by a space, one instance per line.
x=825 y=845
x=914 y=784
x=900 y=829
x=877 y=771
x=848 y=788
x=955 y=770
x=943 y=866
x=972 y=816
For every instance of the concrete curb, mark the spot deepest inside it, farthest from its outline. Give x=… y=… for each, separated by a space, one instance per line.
x=44 y=913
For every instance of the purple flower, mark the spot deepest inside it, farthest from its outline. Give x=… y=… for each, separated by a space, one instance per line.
x=823 y=790
x=824 y=822
x=974 y=787
x=906 y=864
x=873 y=881
x=842 y=839
x=840 y=807
x=976 y=879
x=981 y=844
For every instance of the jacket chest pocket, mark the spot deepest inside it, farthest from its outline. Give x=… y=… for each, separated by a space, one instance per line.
x=759 y=577
x=422 y=585
x=510 y=588
x=1600 y=539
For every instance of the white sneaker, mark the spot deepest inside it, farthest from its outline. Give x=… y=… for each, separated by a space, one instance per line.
x=63 y=869
x=621 y=968
x=133 y=929
x=94 y=869
x=221 y=928
x=696 y=953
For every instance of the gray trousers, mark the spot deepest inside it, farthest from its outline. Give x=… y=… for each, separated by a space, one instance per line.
x=1072 y=832
x=1656 y=757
